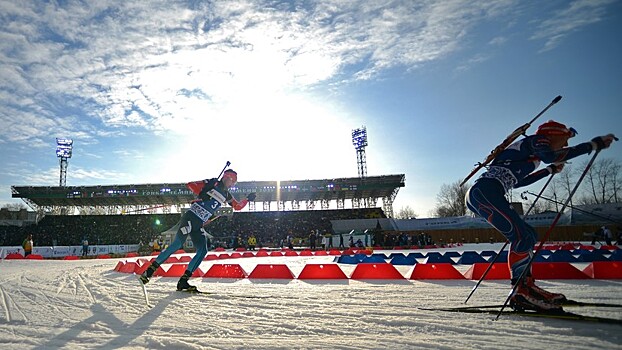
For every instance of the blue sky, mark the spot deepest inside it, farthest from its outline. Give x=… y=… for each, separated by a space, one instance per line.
x=168 y=91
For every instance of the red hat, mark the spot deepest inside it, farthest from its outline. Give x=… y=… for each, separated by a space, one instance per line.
x=554 y=128
x=231 y=174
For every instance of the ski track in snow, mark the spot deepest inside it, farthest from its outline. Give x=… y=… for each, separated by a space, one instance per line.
x=86 y=305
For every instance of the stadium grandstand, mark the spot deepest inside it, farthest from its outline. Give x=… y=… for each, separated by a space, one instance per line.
x=135 y=214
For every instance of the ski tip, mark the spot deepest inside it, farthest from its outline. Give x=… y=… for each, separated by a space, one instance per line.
x=556 y=99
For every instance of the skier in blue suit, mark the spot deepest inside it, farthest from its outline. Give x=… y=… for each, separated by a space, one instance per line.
x=212 y=194
x=515 y=167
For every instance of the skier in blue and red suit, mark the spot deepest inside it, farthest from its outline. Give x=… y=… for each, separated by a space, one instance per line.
x=515 y=167
x=212 y=194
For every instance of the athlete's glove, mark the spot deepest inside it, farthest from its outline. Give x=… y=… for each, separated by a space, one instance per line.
x=601 y=142
x=555 y=168
x=251 y=197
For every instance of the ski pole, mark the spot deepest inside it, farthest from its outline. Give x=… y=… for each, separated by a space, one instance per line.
x=494 y=260
x=579 y=210
x=508 y=140
x=546 y=235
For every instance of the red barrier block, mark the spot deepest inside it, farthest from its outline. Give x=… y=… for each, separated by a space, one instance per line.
x=248 y=254
x=185 y=259
x=210 y=257
x=224 y=256
x=119 y=265
x=382 y=271
x=556 y=270
x=235 y=255
x=34 y=257
x=291 y=253
x=131 y=255
x=71 y=257
x=128 y=267
x=262 y=253
x=271 y=271
x=240 y=249
x=219 y=249
x=442 y=271
x=175 y=270
x=225 y=271
x=498 y=271
x=610 y=247
x=158 y=273
x=172 y=260
x=348 y=251
x=306 y=252
x=275 y=253
x=334 y=252
x=604 y=270
x=14 y=256
x=321 y=253
x=321 y=272
x=568 y=246
x=103 y=256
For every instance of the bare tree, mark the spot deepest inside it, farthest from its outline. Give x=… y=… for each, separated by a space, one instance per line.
x=450 y=200
x=602 y=182
x=405 y=213
x=14 y=206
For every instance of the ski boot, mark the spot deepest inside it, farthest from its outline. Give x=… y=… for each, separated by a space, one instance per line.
x=145 y=276
x=525 y=298
x=183 y=285
x=555 y=298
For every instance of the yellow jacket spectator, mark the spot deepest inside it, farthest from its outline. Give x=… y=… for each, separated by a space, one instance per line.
x=27 y=245
x=252 y=242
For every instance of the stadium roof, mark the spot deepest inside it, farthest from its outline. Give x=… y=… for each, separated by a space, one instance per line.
x=384 y=187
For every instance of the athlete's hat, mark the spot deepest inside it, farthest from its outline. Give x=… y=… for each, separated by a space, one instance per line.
x=230 y=174
x=554 y=128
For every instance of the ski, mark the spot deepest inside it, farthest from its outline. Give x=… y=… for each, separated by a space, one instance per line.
x=561 y=315
x=144 y=290
x=198 y=292
x=567 y=303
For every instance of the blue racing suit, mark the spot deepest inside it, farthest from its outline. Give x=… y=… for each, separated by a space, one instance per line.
x=515 y=167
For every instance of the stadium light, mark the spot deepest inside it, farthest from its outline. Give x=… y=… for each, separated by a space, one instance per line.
x=64 y=150
x=359 y=138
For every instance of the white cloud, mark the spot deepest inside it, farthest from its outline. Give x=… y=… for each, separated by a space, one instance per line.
x=578 y=14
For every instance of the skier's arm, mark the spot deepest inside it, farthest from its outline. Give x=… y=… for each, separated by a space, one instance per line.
x=542 y=150
x=241 y=204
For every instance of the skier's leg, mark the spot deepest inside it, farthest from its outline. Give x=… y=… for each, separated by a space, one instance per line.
x=180 y=237
x=200 y=243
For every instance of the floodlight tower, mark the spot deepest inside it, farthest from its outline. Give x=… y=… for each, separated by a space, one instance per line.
x=359 y=140
x=64 y=149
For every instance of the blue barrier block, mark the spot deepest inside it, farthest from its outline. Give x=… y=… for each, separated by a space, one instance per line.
x=373 y=259
x=416 y=255
x=403 y=260
x=452 y=254
x=469 y=258
x=616 y=255
x=503 y=257
x=437 y=258
x=486 y=253
x=392 y=255
x=562 y=256
x=348 y=259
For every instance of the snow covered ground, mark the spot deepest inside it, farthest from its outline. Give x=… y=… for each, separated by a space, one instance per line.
x=51 y=304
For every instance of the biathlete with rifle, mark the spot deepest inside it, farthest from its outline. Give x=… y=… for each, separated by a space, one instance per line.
x=212 y=194
x=515 y=167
